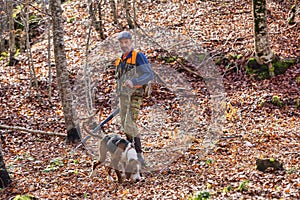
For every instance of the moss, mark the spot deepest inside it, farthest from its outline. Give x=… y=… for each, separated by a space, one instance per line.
x=259 y=71
x=201 y=57
x=218 y=61
x=232 y=55
x=280 y=67
x=263 y=71
x=235 y=56
x=252 y=59
x=277 y=101
x=168 y=58
x=72 y=19
x=263 y=75
x=291 y=20
x=252 y=64
x=239 y=56
x=292 y=15
x=262 y=103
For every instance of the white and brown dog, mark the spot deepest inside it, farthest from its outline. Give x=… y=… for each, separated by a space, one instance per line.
x=123 y=157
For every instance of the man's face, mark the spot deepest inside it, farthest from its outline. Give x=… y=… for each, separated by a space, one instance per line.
x=125 y=44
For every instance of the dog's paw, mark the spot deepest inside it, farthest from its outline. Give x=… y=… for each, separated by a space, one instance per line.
x=143 y=179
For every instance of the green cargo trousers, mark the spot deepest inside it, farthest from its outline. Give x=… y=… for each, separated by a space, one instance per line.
x=130 y=105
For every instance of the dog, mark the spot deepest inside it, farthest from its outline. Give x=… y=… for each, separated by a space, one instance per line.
x=123 y=156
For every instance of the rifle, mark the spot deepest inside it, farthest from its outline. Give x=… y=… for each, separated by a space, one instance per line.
x=112 y=115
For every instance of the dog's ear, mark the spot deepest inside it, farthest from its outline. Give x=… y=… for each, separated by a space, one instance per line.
x=122 y=143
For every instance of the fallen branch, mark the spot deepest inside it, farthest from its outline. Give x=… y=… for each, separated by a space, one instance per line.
x=17 y=128
x=287 y=153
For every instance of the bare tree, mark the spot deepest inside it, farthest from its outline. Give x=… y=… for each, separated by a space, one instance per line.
x=92 y=13
x=3 y=25
x=12 y=41
x=265 y=63
x=62 y=72
x=95 y=7
x=114 y=10
x=263 y=52
x=4 y=176
x=128 y=16
x=48 y=25
x=101 y=25
x=33 y=77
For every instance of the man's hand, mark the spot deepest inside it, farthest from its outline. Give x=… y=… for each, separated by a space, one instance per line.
x=128 y=83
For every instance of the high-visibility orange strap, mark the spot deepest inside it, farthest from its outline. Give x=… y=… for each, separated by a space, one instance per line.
x=131 y=60
x=117 y=62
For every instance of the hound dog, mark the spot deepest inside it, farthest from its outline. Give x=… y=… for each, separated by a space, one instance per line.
x=123 y=155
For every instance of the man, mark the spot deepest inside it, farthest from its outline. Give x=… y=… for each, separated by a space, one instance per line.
x=133 y=73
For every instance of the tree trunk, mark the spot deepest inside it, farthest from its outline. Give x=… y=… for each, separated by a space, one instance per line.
x=114 y=10
x=33 y=77
x=4 y=176
x=92 y=14
x=62 y=72
x=12 y=45
x=263 y=52
x=101 y=26
x=128 y=17
x=3 y=25
x=265 y=63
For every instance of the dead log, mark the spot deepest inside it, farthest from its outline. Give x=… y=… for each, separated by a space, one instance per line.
x=17 y=128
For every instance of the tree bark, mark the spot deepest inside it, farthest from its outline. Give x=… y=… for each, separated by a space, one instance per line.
x=3 y=25
x=101 y=25
x=114 y=10
x=33 y=77
x=92 y=13
x=62 y=72
x=128 y=17
x=264 y=64
x=12 y=41
x=263 y=51
x=4 y=176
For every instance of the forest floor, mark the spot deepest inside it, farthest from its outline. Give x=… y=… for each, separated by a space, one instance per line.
x=256 y=127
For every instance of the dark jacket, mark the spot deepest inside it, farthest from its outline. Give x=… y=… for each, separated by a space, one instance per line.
x=134 y=67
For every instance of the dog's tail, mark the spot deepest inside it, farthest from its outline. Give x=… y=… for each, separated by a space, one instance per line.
x=91 y=133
